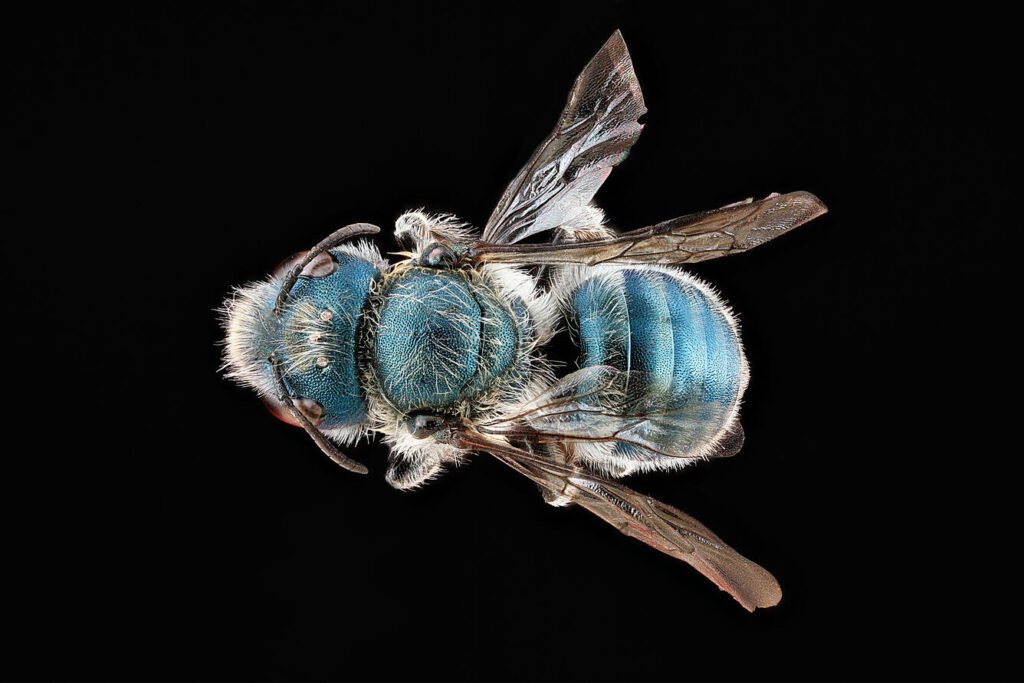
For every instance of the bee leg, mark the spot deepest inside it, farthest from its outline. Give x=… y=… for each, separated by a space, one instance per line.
x=412 y=469
x=561 y=498
x=616 y=469
x=412 y=229
x=424 y=451
x=565 y=455
x=586 y=226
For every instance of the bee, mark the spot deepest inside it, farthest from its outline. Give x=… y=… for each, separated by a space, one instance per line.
x=443 y=353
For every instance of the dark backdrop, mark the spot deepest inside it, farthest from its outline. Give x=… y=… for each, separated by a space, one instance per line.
x=169 y=154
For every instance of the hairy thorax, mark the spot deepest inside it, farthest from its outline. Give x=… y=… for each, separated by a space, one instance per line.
x=446 y=341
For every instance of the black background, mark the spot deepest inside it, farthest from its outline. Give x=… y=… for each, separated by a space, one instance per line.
x=167 y=154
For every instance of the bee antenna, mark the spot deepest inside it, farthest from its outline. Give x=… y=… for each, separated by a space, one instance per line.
x=332 y=240
x=329 y=449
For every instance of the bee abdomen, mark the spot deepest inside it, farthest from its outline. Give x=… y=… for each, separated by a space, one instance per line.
x=675 y=340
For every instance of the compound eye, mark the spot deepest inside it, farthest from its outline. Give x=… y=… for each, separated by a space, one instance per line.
x=313 y=411
x=322 y=266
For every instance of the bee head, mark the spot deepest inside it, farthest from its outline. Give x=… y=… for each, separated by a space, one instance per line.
x=292 y=338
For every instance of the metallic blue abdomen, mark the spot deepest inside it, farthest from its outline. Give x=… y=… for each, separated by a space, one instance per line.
x=674 y=339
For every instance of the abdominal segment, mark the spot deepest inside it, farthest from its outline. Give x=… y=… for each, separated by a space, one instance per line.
x=678 y=345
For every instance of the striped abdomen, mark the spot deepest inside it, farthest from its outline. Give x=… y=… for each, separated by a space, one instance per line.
x=679 y=346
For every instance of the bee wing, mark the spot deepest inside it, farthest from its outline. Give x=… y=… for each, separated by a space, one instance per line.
x=657 y=524
x=601 y=404
x=688 y=239
x=594 y=133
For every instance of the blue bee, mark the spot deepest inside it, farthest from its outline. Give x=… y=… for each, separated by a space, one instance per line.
x=442 y=353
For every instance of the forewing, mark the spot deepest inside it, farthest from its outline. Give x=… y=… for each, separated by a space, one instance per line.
x=595 y=131
x=688 y=239
x=598 y=404
x=657 y=524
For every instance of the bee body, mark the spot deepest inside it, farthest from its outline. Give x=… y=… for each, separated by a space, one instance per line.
x=443 y=353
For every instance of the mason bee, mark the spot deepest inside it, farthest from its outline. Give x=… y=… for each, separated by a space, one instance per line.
x=443 y=352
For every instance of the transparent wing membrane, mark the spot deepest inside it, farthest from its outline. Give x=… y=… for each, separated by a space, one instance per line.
x=603 y=404
x=594 y=133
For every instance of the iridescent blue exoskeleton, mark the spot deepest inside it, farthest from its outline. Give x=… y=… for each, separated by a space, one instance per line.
x=442 y=353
